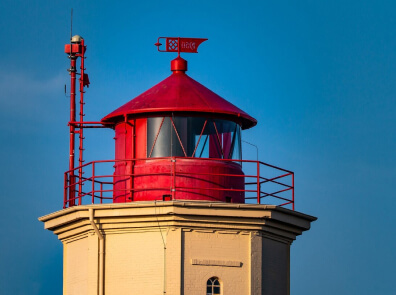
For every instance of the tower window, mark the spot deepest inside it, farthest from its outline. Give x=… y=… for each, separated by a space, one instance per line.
x=213 y=286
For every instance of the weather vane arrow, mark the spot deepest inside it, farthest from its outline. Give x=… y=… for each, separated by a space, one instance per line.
x=178 y=44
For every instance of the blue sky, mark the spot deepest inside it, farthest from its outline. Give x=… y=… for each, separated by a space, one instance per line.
x=319 y=76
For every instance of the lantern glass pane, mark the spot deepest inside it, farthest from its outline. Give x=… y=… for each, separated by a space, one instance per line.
x=193 y=137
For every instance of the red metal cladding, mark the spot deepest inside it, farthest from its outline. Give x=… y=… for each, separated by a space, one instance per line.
x=181 y=94
x=197 y=180
x=74 y=48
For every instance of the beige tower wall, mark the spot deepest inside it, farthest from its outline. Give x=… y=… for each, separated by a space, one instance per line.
x=174 y=261
x=80 y=264
x=75 y=266
x=275 y=267
x=222 y=254
x=175 y=247
x=134 y=262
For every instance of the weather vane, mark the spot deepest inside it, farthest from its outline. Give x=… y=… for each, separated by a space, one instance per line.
x=178 y=44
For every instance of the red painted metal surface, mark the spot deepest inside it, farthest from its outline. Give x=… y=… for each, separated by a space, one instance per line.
x=180 y=94
x=197 y=180
x=176 y=180
x=73 y=48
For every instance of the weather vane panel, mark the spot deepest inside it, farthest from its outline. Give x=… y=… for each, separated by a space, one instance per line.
x=178 y=44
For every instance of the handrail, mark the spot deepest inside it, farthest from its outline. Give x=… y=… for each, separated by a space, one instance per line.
x=269 y=181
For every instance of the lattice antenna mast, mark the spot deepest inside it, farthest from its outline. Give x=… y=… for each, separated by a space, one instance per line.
x=76 y=49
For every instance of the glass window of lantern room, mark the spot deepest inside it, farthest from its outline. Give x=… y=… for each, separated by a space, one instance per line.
x=193 y=137
x=162 y=139
x=221 y=139
x=213 y=286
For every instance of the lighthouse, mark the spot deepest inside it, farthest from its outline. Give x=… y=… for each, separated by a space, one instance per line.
x=178 y=210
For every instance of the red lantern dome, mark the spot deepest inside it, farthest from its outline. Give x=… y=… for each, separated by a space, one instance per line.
x=180 y=94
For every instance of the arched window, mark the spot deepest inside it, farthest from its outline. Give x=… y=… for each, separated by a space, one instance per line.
x=213 y=286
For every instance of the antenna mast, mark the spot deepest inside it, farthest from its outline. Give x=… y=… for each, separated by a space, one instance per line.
x=76 y=49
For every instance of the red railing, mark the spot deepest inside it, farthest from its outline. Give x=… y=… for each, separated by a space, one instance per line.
x=264 y=183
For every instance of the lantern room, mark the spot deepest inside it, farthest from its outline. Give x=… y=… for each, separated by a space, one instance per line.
x=178 y=127
x=176 y=141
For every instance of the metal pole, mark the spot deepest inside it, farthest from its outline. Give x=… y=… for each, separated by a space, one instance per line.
x=93 y=182
x=65 y=191
x=81 y=135
x=72 y=127
x=101 y=192
x=174 y=179
x=293 y=190
x=258 y=182
x=253 y=145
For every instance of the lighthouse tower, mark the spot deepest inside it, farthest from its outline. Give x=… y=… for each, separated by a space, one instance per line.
x=178 y=210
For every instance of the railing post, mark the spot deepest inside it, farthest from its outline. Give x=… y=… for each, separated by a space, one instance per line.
x=93 y=182
x=293 y=190
x=174 y=178
x=258 y=183
x=131 y=171
x=101 y=192
x=80 y=173
x=72 y=189
x=65 y=188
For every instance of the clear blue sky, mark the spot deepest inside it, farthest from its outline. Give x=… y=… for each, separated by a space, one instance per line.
x=319 y=76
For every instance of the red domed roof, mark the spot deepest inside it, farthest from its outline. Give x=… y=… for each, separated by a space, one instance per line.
x=181 y=94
